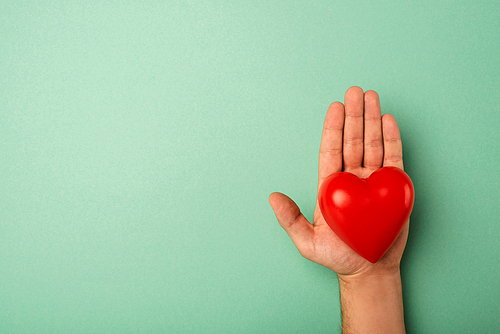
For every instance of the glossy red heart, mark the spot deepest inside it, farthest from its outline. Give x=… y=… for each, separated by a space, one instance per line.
x=367 y=214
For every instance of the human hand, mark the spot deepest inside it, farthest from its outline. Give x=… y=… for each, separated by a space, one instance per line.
x=356 y=139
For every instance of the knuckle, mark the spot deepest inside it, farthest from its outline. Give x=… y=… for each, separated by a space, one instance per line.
x=393 y=158
x=331 y=151
x=353 y=141
x=372 y=166
x=354 y=114
x=373 y=118
x=392 y=140
x=374 y=143
x=334 y=128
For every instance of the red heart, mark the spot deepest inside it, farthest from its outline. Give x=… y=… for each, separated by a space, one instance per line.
x=367 y=214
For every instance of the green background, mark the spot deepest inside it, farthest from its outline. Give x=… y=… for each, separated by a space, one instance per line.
x=139 y=143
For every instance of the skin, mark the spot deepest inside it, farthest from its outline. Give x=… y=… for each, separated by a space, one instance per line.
x=357 y=139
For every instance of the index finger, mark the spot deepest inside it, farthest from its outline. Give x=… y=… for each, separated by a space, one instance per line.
x=330 y=152
x=393 y=149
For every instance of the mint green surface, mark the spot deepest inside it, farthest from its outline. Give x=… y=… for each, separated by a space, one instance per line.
x=139 y=142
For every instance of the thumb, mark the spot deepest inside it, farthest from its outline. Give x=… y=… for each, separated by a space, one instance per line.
x=293 y=222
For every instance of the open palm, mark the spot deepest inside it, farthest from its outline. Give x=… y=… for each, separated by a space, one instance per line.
x=356 y=139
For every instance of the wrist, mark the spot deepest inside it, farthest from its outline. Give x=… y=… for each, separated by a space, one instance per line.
x=385 y=276
x=372 y=302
